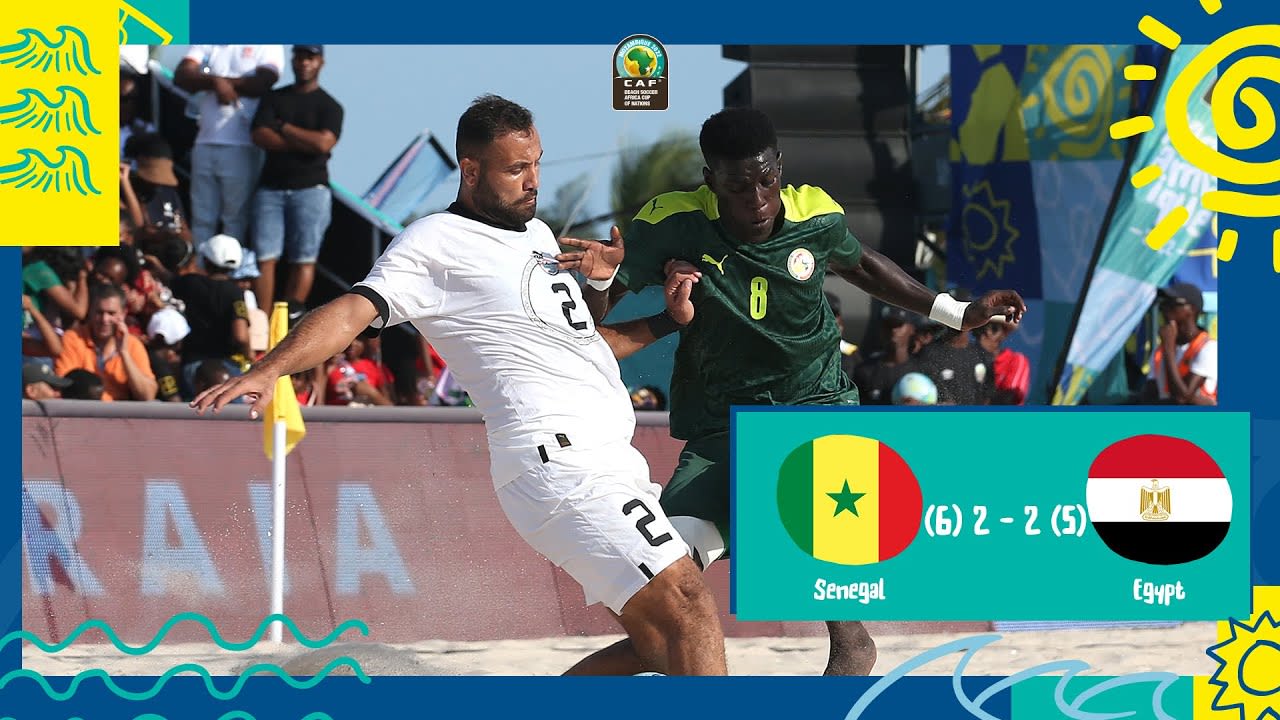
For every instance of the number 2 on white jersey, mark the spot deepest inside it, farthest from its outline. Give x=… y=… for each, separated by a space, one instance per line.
x=569 y=306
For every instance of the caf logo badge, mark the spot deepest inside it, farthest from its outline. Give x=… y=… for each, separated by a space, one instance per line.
x=640 y=74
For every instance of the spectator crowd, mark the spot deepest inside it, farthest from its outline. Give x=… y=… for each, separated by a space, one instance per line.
x=921 y=362
x=182 y=303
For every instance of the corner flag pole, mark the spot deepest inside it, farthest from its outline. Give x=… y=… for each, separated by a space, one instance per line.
x=282 y=430
x=277 y=529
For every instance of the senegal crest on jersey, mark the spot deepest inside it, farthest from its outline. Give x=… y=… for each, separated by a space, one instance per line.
x=801 y=264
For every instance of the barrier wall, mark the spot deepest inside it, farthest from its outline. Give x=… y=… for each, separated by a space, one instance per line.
x=134 y=513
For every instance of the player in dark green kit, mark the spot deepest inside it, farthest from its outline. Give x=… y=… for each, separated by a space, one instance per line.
x=751 y=255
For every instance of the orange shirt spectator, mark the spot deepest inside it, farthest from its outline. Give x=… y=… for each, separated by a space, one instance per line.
x=105 y=346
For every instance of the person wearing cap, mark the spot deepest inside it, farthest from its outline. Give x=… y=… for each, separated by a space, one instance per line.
x=214 y=309
x=41 y=383
x=224 y=161
x=1184 y=366
x=104 y=346
x=165 y=332
x=153 y=185
x=298 y=126
x=879 y=374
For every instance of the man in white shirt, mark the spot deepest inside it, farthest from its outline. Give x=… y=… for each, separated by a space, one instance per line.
x=1184 y=366
x=224 y=162
x=559 y=419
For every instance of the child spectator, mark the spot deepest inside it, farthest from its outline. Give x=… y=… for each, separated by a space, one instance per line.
x=84 y=386
x=165 y=333
x=41 y=383
x=357 y=380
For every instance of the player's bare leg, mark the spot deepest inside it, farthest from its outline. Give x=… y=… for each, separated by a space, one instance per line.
x=673 y=629
x=853 y=652
x=673 y=623
x=619 y=658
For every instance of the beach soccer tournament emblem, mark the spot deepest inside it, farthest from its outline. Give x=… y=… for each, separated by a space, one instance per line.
x=849 y=500
x=1158 y=500
x=640 y=74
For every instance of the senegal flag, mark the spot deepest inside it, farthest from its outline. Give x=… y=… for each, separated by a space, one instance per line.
x=848 y=500
x=1159 y=500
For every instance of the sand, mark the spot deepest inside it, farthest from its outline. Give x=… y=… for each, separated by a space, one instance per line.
x=1109 y=651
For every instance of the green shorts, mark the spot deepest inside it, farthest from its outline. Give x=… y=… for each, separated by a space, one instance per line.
x=700 y=485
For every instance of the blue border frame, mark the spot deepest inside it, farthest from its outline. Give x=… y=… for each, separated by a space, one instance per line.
x=1247 y=300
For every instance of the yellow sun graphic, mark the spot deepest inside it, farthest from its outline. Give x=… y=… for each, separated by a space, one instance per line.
x=987 y=221
x=1248 y=674
x=1229 y=86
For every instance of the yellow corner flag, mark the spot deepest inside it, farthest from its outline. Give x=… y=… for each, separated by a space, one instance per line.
x=284 y=404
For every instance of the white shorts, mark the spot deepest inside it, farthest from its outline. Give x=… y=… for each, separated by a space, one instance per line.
x=595 y=513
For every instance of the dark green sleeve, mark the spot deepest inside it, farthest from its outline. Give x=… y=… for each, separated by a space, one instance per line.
x=846 y=251
x=648 y=249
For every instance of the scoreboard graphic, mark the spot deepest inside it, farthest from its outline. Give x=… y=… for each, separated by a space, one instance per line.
x=860 y=514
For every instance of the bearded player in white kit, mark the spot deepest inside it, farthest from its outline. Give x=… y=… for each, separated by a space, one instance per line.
x=482 y=283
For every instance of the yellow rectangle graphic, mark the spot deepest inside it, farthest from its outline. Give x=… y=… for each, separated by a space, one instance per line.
x=59 y=124
x=846 y=528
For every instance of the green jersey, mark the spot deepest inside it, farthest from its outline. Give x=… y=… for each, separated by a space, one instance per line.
x=763 y=333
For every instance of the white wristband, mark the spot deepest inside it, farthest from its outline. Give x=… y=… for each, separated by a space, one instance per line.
x=603 y=285
x=948 y=311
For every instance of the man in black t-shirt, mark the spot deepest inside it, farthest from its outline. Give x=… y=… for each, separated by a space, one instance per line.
x=961 y=369
x=881 y=371
x=215 y=310
x=297 y=125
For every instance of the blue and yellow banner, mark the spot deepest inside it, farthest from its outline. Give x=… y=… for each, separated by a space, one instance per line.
x=1033 y=170
x=1157 y=219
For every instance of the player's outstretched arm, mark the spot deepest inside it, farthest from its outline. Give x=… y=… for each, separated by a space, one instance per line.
x=600 y=302
x=634 y=335
x=598 y=262
x=881 y=278
x=323 y=333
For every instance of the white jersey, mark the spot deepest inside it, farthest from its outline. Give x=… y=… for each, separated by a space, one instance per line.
x=513 y=329
x=230 y=124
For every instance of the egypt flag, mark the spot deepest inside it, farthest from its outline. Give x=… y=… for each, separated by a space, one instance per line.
x=1159 y=500
x=848 y=500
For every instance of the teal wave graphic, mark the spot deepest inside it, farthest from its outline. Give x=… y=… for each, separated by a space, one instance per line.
x=35 y=51
x=186 y=617
x=37 y=172
x=243 y=678
x=35 y=111
x=233 y=715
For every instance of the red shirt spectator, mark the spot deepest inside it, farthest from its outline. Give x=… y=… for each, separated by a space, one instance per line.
x=1012 y=368
x=1013 y=378
x=354 y=378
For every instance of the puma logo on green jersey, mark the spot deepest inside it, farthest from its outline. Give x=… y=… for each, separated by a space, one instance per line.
x=718 y=263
